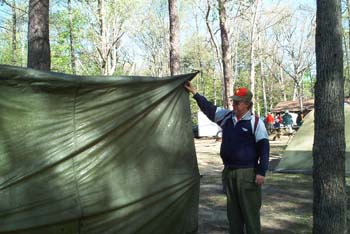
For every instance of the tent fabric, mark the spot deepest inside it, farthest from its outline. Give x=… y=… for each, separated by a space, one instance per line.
x=297 y=158
x=96 y=154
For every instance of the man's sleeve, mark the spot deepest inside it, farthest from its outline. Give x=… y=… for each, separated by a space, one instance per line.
x=263 y=148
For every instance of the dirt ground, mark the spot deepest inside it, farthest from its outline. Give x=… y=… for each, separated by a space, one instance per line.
x=287 y=198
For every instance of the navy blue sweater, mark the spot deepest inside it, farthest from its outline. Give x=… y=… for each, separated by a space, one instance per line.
x=241 y=146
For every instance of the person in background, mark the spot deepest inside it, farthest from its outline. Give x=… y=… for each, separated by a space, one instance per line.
x=245 y=154
x=277 y=127
x=279 y=118
x=270 y=120
x=300 y=119
x=287 y=121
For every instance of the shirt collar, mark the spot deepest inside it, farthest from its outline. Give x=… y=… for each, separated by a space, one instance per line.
x=246 y=116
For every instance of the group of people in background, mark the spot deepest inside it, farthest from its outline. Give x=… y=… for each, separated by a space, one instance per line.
x=273 y=123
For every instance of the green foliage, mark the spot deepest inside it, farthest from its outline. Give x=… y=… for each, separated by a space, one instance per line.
x=6 y=49
x=145 y=23
x=7 y=55
x=60 y=39
x=309 y=85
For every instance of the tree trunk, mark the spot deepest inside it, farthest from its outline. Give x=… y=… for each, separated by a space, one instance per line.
x=200 y=79
x=14 y=33
x=263 y=82
x=252 y=48
x=283 y=86
x=212 y=37
x=301 y=97
x=109 y=33
x=71 y=39
x=348 y=62
x=217 y=55
x=300 y=92
x=329 y=199
x=38 y=35
x=347 y=70
x=103 y=39
x=271 y=97
x=257 y=104
x=263 y=86
x=226 y=56
x=174 y=38
x=236 y=43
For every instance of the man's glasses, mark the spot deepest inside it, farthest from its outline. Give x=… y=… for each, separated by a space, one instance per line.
x=236 y=103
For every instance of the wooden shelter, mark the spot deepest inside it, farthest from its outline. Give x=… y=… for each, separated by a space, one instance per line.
x=293 y=106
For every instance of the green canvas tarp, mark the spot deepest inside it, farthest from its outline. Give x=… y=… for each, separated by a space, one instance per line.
x=96 y=154
x=297 y=158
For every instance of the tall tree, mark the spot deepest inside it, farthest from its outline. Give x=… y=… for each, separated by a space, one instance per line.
x=174 y=37
x=329 y=201
x=226 y=55
x=38 y=35
x=253 y=35
x=347 y=81
x=297 y=46
x=263 y=82
x=71 y=39
x=152 y=38
x=14 y=31
x=12 y=22
x=13 y=7
x=106 y=26
x=214 y=46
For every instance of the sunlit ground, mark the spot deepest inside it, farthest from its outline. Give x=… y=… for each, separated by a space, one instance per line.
x=287 y=198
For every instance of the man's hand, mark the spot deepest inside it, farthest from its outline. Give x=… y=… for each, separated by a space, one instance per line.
x=190 y=88
x=259 y=179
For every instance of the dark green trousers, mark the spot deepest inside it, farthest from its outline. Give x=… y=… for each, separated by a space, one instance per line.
x=243 y=200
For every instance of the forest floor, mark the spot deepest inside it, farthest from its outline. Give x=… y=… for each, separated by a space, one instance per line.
x=287 y=198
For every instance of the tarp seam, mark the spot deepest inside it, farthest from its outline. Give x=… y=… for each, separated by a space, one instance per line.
x=73 y=161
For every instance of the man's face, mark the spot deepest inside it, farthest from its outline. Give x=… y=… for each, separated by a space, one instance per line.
x=240 y=107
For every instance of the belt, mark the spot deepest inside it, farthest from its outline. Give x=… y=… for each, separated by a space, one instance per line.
x=235 y=168
x=232 y=168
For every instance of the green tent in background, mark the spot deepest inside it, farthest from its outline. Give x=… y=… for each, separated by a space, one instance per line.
x=297 y=158
x=96 y=154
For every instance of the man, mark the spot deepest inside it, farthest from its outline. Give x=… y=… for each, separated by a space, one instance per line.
x=287 y=121
x=270 y=120
x=277 y=127
x=300 y=119
x=245 y=154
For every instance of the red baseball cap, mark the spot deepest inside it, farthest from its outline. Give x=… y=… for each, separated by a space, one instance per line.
x=242 y=94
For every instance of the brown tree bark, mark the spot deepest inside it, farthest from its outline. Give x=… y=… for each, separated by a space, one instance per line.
x=174 y=38
x=38 y=35
x=348 y=49
x=329 y=199
x=226 y=55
